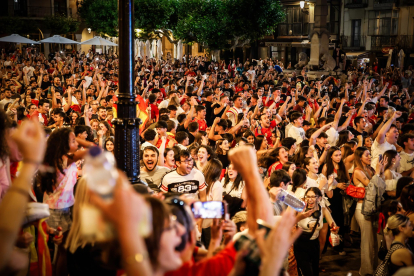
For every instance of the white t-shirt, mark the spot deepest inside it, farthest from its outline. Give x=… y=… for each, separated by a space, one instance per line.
x=88 y=81
x=333 y=136
x=377 y=149
x=181 y=146
x=298 y=133
x=30 y=71
x=189 y=184
x=232 y=114
x=164 y=104
x=233 y=192
x=405 y=164
x=215 y=194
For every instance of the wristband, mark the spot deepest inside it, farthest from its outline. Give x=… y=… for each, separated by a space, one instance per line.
x=30 y=161
x=137 y=258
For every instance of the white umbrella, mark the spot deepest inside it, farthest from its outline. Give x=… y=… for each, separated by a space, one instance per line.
x=159 y=49
x=58 y=40
x=154 y=48
x=15 y=38
x=141 y=49
x=180 y=50
x=97 y=40
x=148 y=49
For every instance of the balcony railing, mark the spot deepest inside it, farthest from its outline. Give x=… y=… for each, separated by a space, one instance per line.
x=42 y=11
x=384 y=4
x=353 y=42
x=402 y=41
x=354 y=4
x=295 y=29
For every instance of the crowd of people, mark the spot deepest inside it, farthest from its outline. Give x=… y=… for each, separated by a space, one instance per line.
x=243 y=133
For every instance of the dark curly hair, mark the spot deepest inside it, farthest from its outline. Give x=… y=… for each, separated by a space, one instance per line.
x=4 y=125
x=57 y=147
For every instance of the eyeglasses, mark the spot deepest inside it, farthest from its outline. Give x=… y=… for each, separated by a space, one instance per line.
x=173 y=224
x=187 y=161
x=311 y=197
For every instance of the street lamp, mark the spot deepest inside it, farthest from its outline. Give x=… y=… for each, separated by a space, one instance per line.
x=302 y=4
x=89 y=30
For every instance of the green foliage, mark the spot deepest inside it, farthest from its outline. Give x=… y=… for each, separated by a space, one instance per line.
x=101 y=16
x=61 y=24
x=14 y=25
x=216 y=24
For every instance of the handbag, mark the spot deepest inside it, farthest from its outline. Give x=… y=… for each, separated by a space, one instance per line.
x=355 y=192
x=233 y=203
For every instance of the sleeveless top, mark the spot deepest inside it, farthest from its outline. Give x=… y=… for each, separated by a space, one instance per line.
x=392 y=268
x=391 y=184
x=62 y=197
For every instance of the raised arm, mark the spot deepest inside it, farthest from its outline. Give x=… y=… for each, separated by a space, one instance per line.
x=338 y=115
x=245 y=162
x=384 y=129
x=193 y=103
x=69 y=103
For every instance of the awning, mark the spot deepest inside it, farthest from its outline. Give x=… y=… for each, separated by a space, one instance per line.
x=360 y=54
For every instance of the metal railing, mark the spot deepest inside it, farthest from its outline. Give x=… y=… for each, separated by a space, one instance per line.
x=295 y=29
x=356 y=42
x=402 y=41
x=356 y=4
x=384 y=4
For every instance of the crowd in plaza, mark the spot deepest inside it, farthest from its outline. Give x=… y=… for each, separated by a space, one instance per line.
x=243 y=132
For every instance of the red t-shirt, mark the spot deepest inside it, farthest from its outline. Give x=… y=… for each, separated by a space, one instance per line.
x=154 y=111
x=202 y=124
x=275 y=166
x=266 y=132
x=219 y=265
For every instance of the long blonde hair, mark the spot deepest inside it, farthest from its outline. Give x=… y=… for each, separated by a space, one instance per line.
x=75 y=238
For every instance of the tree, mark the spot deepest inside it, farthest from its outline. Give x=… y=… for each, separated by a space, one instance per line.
x=216 y=24
x=61 y=24
x=14 y=25
x=101 y=16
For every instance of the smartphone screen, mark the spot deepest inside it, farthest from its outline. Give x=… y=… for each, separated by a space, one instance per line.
x=208 y=209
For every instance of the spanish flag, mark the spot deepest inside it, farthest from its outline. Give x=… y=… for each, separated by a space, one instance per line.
x=141 y=110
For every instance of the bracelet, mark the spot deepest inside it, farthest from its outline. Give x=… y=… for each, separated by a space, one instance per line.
x=137 y=258
x=18 y=190
x=30 y=161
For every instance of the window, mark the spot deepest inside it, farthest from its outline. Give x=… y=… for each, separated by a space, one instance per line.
x=383 y=22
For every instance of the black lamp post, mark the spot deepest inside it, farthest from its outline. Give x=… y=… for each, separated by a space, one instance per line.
x=127 y=123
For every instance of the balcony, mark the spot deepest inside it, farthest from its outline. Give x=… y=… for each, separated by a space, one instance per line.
x=402 y=41
x=355 y=4
x=353 y=42
x=384 y=4
x=295 y=29
x=42 y=11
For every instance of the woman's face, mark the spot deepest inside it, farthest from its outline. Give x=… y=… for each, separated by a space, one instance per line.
x=232 y=172
x=313 y=166
x=73 y=145
x=103 y=127
x=264 y=144
x=250 y=139
x=169 y=258
x=202 y=155
x=368 y=142
x=95 y=126
x=396 y=160
x=337 y=156
x=366 y=158
x=292 y=168
x=109 y=146
x=225 y=145
x=283 y=156
x=311 y=199
x=74 y=117
x=169 y=159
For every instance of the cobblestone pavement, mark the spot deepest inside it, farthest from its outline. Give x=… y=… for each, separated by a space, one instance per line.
x=337 y=265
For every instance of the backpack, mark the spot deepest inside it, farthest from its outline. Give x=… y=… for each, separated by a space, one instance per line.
x=373 y=196
x=382 y=269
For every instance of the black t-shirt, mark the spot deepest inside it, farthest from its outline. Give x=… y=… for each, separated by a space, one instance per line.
x=216 y=105
x=209 y=111
x=191 y=138
x=224 y=160
x=229 y=90
x=45 y=85
x=356 y=133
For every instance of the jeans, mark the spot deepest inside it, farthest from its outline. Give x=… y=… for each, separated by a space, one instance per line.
x=369 y=246
x=307 y=257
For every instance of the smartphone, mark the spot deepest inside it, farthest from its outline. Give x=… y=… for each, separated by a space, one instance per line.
x=379 y=158
x=209 y=209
